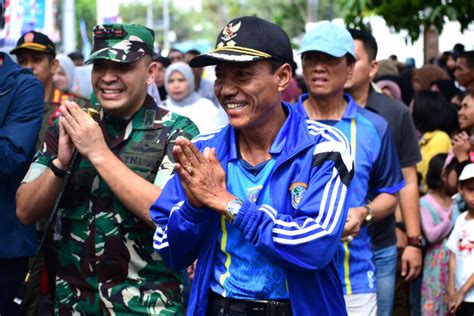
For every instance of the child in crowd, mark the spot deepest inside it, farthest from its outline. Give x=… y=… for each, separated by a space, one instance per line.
x=460 y=289
x=435 y=129
x=435 y=208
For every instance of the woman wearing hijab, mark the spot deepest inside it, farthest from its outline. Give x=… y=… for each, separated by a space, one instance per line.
x=183 y=100
x=64 y=76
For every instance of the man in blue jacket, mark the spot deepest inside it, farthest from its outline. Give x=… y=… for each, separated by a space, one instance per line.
x=328 y=60
x=263 y=207
x=21 y=110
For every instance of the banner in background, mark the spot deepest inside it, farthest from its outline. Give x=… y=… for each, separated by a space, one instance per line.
x=108 y=12
x=22 y=16
x=86 y=44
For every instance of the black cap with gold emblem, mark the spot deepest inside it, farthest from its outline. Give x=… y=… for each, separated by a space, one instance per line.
x=35 y=41
x=247 y=39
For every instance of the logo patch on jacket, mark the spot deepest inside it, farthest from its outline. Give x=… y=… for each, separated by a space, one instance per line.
x=297 y=190
x=254 y=192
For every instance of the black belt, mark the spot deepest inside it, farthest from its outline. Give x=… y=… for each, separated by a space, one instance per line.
x=246 y=307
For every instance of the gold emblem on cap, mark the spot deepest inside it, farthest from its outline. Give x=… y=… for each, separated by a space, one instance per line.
x=29 y=37
x=230 y=31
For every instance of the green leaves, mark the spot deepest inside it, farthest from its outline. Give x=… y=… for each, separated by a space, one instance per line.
x=411 y=15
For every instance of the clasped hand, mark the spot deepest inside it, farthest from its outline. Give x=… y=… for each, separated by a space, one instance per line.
x=78 y=130
x=201 y=176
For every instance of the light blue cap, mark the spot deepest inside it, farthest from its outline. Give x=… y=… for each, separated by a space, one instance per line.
x=328 y=38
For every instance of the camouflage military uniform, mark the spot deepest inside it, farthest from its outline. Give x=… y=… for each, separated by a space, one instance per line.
x=106 y=262
x=47 y=258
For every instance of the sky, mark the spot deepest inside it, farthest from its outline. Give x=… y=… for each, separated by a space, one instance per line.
x=394 y=43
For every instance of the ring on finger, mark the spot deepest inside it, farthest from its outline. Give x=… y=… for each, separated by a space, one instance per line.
x=350 y=238
x=189 y=170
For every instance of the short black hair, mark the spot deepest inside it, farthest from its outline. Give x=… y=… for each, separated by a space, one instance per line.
x=350 y=59
x=458 y=48
x=275 y=65
x=193 y=52
x=446 y=87
x=165 y=61
x=174 y=50
x=50 y=56
x=468 y=92
x=76 y=55
x=432 y=112
x=369 y=42
x=469 y=56
x=148 y=59
x=434 y=178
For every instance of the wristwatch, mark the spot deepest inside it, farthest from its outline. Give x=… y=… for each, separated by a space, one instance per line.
x=370 y=214
x=415 y=241
x=233 y=208
x=56 y=171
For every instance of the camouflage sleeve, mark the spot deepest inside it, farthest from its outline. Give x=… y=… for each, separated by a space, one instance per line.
x=50 y=149
x=180 y=126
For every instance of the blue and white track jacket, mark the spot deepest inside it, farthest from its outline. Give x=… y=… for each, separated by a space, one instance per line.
x=300 y=230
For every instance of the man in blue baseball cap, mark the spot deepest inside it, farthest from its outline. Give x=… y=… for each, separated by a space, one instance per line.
x=328 y=62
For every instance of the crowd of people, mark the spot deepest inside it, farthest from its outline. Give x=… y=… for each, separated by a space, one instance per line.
x=348 y=190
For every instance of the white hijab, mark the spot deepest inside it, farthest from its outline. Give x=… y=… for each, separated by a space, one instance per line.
x=188 y=75
x=69 y=69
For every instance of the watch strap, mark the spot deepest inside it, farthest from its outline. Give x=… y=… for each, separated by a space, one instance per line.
x=370 y=214
x=415 y=241
x=56 y=171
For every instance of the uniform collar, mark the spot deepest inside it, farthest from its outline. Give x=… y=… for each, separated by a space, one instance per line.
x=294 y=127
x=349 y=113
x=144 y=118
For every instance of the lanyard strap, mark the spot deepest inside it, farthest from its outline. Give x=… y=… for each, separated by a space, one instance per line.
x=353 y=138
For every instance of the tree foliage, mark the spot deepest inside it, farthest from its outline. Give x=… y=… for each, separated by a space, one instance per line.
x=181 y=22
x=411 y=15
x=291 y=15
x=85 y=10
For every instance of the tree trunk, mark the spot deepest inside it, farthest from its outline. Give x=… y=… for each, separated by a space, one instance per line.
x=430 y=44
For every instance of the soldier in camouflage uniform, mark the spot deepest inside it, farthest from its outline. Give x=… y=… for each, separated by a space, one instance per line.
x=106 y=263
x=36 y=51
